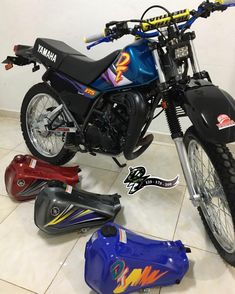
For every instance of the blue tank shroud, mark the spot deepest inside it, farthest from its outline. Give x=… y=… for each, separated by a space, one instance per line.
x=141 y=69
x=120 y=261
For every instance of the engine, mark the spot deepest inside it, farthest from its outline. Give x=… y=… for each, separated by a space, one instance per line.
x=107 y=128
x=118 y=124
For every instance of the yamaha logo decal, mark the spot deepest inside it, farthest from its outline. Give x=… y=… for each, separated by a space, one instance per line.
x=47 y=53
x=55 y=211
x=20 y=183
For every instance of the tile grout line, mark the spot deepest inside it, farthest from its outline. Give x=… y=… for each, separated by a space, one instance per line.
x=1 y=195
x=149 y=235
x=191 y=246
x=18 y=286
x=61 y=265
x=15 y=148
x=106 y=169
x=211 y=252
x=181 y=206
x=5 y=155
x=9 y=214
x=118 y=174
x=163 y=143
x=6 y=149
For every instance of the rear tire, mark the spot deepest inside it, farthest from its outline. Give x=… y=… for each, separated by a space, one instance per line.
x=35 y=140
x=221 y=166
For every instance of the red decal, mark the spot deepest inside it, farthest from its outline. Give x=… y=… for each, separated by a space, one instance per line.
x=122 y=66
x=225 y=122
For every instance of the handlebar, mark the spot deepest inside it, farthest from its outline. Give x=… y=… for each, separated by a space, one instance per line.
x=182 y=16
x=226 y=2
x=94 y=38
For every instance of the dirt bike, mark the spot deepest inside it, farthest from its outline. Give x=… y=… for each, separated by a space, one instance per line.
x=106 y=106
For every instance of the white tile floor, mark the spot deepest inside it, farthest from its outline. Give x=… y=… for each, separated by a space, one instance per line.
x=32 y=262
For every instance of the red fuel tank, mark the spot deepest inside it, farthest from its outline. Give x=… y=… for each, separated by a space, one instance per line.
x=26 y=176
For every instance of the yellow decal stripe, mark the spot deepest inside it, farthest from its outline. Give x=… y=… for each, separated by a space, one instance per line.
x=82 y=214
x=161 y=21
x=59 y=219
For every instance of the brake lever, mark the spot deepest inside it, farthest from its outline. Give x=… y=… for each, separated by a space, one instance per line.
x=106 y=39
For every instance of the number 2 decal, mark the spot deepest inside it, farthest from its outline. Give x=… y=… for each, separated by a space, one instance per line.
x=122 y=66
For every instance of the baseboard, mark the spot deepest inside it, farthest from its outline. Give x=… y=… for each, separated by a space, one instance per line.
x=9 y=114
x=232 y=147
x=158 y=137
x=166 y=138
x=162 y=137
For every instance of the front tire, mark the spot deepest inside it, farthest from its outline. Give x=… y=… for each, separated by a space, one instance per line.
x=213 y=169
x=39 y=101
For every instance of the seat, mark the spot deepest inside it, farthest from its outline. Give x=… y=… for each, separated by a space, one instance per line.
x=84 y=69
x=59 y=48
x=60 y=56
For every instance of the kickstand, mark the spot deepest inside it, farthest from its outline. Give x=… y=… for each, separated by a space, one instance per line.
x=118 y=163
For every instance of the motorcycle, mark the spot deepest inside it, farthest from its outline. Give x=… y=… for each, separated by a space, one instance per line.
x=106 y=106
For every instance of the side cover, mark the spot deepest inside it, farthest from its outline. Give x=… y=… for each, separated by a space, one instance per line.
x=212 y=112
x=119 y=261
x=59 y=208
x=26 y=176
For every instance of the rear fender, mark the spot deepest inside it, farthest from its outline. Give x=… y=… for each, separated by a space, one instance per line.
x=211 y=110
x=17 y=60
x=23 y=56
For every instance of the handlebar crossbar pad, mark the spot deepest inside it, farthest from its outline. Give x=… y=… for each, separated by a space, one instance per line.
x=164 y=20
x=226 y=2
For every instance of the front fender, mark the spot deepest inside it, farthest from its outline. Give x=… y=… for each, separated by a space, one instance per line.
x=211 y=110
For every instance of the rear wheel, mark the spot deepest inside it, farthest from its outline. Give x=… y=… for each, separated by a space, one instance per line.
x=213 y=169
x=47 y=145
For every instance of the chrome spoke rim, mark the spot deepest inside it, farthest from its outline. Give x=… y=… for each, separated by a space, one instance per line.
x=47 y=143
x=214 y=204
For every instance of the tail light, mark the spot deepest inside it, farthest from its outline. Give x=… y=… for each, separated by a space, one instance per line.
x=15 y=49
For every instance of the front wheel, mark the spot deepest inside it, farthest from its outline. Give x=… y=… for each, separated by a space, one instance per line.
x=213 y=170
x=47 y=145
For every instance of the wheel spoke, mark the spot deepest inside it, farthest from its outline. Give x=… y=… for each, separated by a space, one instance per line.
x=214 y=204
x=45 y=142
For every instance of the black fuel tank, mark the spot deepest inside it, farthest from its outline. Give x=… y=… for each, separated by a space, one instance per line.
x=60 y=208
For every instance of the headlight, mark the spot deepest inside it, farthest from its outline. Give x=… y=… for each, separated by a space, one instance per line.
x=181 y=53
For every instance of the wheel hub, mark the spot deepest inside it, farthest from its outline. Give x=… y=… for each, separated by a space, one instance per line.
x=40 y=127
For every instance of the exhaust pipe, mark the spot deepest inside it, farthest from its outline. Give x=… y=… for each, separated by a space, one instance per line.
x=137 y=110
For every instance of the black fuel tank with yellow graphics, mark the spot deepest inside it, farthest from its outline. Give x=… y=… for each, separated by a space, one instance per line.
x=60 y=208
x=211 y=110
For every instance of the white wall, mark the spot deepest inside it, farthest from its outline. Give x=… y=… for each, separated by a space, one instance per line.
x=23 y=21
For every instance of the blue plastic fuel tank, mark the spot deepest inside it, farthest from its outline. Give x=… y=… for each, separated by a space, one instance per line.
x=119 y=261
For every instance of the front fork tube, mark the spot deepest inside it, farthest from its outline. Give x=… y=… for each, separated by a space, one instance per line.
x=177 y=136
x=182 y=153
x=176 y=132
